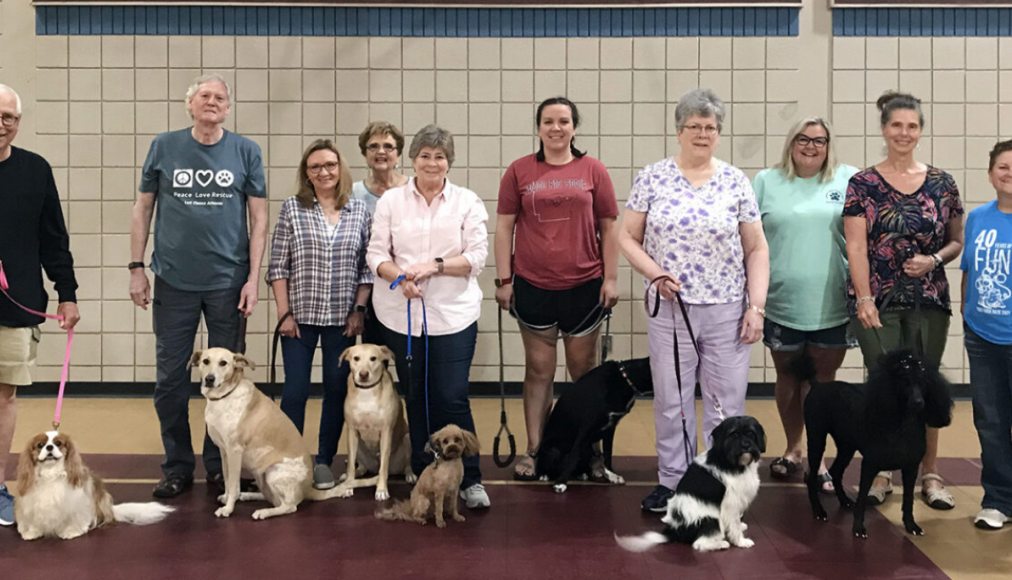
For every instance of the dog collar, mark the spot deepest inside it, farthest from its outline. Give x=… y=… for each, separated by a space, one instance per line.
x=378 y=381
x=223 y=396
x=628 y=381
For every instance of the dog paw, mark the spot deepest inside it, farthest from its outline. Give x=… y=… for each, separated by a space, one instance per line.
x=261 y=514
x=223 y=512
x=846 y=503
x=71 y=534
x=440 y=524
x=459 y=518
x=543 y=478
x=410 y=478
x=344 y=491
x=560 y=487
x=30 y=535
x=382 y=495
x=913 y=529
x=614 y=478
x=583 y=477
x=745 y=543
x=860 y=532
x=710 y=545
x=820 y=514
x=744 y=527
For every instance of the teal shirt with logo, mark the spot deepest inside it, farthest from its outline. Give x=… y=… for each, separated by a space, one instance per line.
x=201 y=237
x=803 y=221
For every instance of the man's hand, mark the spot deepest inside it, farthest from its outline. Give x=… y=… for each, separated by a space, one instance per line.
x=248 y=298
x=70 y=314
x=140 y=288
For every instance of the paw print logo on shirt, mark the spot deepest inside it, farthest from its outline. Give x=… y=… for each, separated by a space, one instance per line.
x=224 y=178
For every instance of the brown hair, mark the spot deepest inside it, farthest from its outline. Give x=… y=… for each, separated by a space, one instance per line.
x=892 y=100
x=304 y=191
x=381 y=128
x=999 y=148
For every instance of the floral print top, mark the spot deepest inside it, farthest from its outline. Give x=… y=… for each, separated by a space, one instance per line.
x=900 y=225
x=692 y=232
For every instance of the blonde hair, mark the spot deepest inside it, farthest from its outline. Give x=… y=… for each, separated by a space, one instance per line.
x=304 y=191
x=787 y=159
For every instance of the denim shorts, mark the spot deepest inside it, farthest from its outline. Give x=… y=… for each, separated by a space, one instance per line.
x=780 y=338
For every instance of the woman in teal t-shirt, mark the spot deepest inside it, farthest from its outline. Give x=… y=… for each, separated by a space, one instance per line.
x=987 y=333
x=801 y=201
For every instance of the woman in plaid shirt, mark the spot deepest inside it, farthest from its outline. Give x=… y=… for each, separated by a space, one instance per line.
x=321 y=284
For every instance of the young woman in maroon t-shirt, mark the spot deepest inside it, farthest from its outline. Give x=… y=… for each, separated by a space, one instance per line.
x=556 y=254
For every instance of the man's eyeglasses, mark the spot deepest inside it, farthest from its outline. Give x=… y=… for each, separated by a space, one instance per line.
x=9 y=120
x=330 y=166
x=817 y=142
x=374 y=147
x=704 y=129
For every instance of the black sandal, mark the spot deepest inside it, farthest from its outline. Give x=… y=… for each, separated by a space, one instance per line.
x=787 y=468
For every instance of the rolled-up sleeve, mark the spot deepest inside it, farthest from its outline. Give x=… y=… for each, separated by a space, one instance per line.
x=475 y=236
x=281 y=247
x=380 y=242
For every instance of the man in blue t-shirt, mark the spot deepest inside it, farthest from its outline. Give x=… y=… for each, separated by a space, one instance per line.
x=205 y=180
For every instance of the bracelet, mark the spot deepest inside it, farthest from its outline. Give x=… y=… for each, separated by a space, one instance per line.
x=761 y=311
x=864 y=299
x=937 y=259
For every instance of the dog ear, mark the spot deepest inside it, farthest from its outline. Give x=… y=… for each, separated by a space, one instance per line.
x=344 y=354
x=195 y=359
x=388 y=356
x=242 y=362
x=433 y=446
x=27 y=464
x=76 y=471
x=471 y=445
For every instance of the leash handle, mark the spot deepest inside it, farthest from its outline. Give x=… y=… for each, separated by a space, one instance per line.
x=273 y=373
x=64 y=374
x=503 y=427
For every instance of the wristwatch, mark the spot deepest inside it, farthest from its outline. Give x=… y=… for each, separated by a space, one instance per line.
x=359 y=308
x=500 y=282
x=937 y=260
x=135 y=265
x=439 y=265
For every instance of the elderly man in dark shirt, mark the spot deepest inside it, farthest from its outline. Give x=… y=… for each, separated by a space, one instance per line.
x=33 y=237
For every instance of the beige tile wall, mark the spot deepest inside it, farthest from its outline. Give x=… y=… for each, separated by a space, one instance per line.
x=94 y=103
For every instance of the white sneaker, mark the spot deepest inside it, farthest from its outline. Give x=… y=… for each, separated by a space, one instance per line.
x=475 y=497
x=990 y=519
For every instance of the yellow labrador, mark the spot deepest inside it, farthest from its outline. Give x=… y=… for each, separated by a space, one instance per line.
x=254 y=434
x=377 y=429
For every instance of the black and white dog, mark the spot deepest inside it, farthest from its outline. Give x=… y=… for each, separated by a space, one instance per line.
x=588 y=414
x=714 y=494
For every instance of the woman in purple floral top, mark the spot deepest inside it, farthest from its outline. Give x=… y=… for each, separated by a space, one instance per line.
x=903 y=223
x=695 y=219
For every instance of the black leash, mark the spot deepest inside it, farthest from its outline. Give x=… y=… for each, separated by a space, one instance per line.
x=273 y=374
x=606 y=338
x=503 y=427
x=655 y=284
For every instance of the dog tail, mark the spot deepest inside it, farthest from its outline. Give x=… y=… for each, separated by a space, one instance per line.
x=400 y=511
x=803 y=367
x=642 y=542
x=141 y=514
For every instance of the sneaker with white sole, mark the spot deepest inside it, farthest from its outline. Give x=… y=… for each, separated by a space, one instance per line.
x=323 y=477
x=6 y=507
x=475 y=497
x=990 y=519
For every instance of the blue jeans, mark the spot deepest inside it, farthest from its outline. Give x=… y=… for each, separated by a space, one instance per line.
x=450 y=358
x=175 y=315
x=991 y=379
x=298 y=360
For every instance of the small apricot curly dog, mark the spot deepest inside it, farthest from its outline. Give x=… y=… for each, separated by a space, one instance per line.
x=437 y=487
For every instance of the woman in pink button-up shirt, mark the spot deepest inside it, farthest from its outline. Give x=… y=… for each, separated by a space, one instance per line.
x=434 y=233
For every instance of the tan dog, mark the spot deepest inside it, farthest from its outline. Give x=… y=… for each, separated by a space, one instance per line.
x=437 y=488
x=378 y=439
x=254 y=434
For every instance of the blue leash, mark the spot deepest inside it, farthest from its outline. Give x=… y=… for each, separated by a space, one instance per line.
x=409 y=358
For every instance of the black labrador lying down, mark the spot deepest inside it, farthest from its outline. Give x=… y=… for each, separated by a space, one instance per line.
x=587 y=414
x=885 y=419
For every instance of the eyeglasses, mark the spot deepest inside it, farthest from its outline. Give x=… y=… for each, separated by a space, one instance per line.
x=330 y=166
x=374 y=147
x=9 y=120
x=817 y=142
x=704 y=129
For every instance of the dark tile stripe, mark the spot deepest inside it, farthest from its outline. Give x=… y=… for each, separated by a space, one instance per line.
x=438 y=22
x=922 y=22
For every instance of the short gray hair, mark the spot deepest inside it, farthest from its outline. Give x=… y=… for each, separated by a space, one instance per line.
x=432 y=136
x=699 y=102
x=203 y=80
x=17 y=98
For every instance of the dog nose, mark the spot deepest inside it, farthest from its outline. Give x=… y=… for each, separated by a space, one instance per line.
x=363 y=375
x=209 y=380
x=49 y=447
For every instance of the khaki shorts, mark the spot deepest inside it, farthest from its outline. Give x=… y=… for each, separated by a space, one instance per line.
x=18 y=349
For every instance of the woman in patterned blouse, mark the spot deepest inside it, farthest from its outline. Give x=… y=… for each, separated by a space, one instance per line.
x=902 y=221
x=321 y=284
x=694 y=218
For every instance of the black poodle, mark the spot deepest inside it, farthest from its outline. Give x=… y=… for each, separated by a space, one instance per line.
x=885 y=419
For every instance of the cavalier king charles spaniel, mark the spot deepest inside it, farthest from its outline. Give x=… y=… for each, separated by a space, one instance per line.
x=60 y=497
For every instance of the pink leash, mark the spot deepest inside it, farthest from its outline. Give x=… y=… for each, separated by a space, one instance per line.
x=66 y=356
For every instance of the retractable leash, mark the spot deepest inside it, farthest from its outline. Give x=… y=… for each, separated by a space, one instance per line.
x=409 y=358
x=503 y=427
x=66 y=355
x=652 y=313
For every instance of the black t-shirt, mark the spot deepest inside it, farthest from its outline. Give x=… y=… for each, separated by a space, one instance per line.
x=33 y=236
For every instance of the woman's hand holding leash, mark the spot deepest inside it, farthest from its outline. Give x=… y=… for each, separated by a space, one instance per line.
x=290 y=328
x=669 y=286
x=420 y=271
x=504 y=296
x=355 y=324
x=918 y=266
x=609 y=293
x=867 y=314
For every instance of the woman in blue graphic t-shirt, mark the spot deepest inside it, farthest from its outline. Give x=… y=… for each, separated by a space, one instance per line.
x=987 y=332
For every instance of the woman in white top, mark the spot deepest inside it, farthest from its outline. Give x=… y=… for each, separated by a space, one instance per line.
x=434 y=234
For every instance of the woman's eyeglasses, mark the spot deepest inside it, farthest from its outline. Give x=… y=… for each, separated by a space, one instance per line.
x=330 y=166
x=9 y=120
x=374 y=147
x=817 y=142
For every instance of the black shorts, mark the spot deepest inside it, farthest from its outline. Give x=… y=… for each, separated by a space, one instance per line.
x=780 y=338
x=573 y=312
